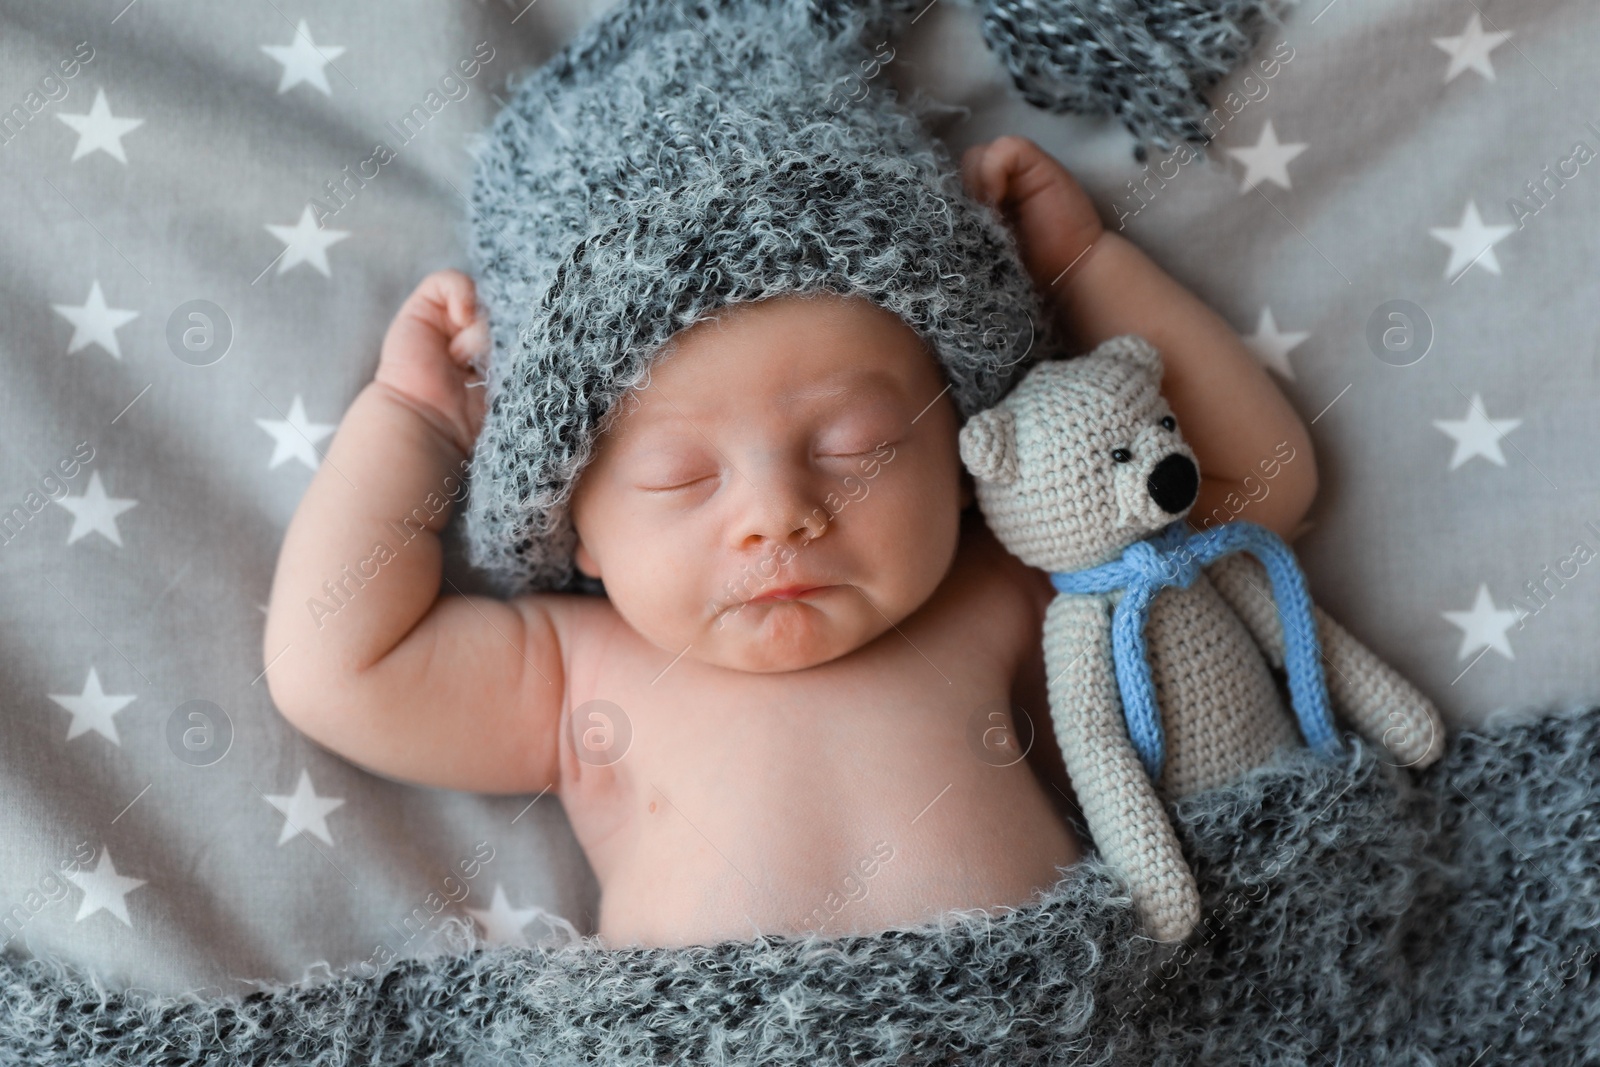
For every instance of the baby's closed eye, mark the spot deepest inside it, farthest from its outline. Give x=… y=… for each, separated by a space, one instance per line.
x=862 y=428
x=664 y=476
x=671 y=469
x=858 y=446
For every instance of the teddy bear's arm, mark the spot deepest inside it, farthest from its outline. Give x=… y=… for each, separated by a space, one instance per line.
x=1365 y=690
x=1124 y=813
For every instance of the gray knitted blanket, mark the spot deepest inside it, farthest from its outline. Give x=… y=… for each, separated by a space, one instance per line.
x=1355 y=914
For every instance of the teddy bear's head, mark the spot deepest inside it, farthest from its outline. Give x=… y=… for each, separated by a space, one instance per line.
x=1082 y=458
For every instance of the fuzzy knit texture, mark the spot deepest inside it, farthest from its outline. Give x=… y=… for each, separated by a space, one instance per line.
x=679 y=157
x=1355 y=913
x=1145 y=64
x=1078 y=467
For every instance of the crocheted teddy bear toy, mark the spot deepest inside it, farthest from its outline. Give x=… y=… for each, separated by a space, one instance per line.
x=1159 y=642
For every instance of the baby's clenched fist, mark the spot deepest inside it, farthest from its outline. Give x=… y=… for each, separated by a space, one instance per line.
x=428 y=352
x=1054 y=220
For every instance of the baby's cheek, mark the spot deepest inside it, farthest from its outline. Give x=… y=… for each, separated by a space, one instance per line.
x=910 y=531
x=676 y=605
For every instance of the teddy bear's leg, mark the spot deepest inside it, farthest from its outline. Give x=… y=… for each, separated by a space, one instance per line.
x=1120 y=804
x=1366 y=691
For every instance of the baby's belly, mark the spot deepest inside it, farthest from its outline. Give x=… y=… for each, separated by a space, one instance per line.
x=864 y=845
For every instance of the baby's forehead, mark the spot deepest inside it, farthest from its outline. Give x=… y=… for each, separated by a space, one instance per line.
x=791 y=356
x=871 y=374
x=649 y=415
x=872 y=379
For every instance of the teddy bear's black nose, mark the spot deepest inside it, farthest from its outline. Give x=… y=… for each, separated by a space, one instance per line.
x=1174 y=483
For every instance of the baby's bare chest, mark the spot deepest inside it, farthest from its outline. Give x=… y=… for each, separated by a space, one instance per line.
x=706 y=798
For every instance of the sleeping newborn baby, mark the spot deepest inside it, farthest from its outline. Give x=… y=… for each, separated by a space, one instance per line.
x=766 y=725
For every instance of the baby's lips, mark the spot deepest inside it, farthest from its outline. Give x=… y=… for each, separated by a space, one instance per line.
x=739 y=596
x=789 y=591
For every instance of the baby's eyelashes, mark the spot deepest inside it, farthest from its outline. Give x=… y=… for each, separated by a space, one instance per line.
x=671 y=487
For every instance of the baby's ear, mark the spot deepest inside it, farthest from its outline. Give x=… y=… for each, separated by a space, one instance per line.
x=1131 y=348
x=988 y=445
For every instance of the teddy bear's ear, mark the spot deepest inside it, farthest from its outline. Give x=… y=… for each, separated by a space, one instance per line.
x=1132 y=348
x=988 y=445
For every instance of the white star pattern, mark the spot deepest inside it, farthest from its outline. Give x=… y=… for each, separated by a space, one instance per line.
x=93 y=709
x=1471 y=49
x=306 y=242
x=303 y=60
x=1268 y=160
x=1483 y=625
x=93 y=323
x=99 y=131
x=304 y=811
x=104 y=889
x=1471 y=242
x=295 y=437
x=94 y=512
x=502 y=924
x=1271 y=345
x=1476 y=434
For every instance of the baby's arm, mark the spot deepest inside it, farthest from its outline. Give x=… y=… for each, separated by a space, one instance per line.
x=1255 y=453
x=364 y=655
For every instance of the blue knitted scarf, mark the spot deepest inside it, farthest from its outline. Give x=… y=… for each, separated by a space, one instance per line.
x=1174 y=557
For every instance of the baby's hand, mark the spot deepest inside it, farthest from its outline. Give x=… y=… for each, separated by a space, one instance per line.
x=1054 y=220
x=427 y=352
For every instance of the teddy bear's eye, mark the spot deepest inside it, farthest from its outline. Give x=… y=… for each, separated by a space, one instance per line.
x=1168 y=422
x=1121 y=455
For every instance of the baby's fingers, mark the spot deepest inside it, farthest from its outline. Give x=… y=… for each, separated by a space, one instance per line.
x=443 y=302
x=1013 y=169
x=987 y=169
x=972 y=175
x=441 y=308
x=471 y=342
x=460 y=298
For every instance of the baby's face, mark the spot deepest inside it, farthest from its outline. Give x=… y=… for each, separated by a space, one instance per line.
x=796 y=442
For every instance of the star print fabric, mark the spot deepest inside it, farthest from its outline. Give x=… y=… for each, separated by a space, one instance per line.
x=202 y=249
x=213 y=215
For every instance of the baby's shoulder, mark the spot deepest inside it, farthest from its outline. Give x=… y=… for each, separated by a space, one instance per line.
x=600 y=649
x=577 y=622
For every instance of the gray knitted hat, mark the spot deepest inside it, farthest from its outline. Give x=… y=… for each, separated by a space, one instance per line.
x=679 y=157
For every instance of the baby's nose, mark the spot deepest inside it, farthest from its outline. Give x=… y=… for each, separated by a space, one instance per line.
x=786 y=512
x=1174 y=483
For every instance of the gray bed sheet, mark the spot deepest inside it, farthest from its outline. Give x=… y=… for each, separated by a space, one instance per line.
x=1400 y=213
